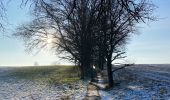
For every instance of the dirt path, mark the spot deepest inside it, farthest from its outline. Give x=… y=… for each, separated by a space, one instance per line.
x=94 y=87
x=92 y=92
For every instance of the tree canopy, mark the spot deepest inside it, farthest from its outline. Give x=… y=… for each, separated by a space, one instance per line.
x=2 y=16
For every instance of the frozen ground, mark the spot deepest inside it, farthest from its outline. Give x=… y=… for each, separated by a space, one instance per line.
x=12 y=88
x=140 y=82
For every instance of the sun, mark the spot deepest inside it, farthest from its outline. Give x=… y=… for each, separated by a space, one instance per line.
x=49 y=40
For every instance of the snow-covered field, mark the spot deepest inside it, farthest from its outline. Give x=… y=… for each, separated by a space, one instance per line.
x=140 y=82
x=12 y=88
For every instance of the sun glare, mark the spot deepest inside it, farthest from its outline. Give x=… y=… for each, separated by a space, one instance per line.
x=49 y=40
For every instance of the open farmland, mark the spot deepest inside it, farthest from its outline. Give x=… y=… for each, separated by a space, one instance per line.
x=41 y=83
x=140 y=82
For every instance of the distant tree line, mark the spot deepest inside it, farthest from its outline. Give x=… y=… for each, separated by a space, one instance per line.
x=86 y=32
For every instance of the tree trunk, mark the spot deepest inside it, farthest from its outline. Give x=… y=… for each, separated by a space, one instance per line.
x=81 y=72
x=109 y=71
x=86 y=68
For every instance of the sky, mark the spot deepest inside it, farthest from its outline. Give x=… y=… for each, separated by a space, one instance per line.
x=150 y=46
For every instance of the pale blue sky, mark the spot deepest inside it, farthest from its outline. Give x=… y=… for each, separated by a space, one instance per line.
x=152 y=45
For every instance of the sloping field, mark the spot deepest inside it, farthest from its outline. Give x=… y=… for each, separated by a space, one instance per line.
x=141 y=82
x=41 y=83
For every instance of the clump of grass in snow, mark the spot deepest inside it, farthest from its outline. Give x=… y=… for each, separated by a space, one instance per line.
x=51 y=74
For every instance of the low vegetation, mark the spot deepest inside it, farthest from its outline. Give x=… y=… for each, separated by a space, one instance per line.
x=51 y=74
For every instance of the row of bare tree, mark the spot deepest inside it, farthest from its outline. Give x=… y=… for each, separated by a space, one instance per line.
x=87 y=32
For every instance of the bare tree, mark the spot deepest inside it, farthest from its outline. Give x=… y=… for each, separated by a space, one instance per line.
x=119 y=23
x=72 y=28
